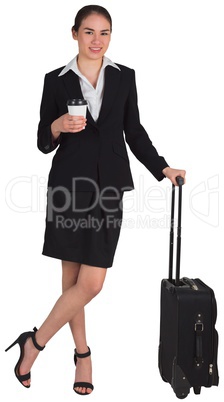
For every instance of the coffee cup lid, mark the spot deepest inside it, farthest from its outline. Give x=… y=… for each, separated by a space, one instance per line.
x=76 y=102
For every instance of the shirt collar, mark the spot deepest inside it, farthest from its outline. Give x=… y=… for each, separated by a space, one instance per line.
x=72 y=65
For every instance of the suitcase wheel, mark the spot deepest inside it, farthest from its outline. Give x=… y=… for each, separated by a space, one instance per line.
x=197 y=390
x=164 y=379
x=181 y=396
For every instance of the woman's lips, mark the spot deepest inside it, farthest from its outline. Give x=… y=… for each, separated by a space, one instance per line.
x=95 y=49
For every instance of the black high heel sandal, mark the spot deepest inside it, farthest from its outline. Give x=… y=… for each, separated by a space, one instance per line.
x=82 y=384
x=21 y=340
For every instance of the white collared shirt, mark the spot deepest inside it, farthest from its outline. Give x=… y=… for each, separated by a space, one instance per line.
x=94 y=96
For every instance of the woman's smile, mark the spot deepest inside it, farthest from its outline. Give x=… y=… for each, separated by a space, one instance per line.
x=95 y=49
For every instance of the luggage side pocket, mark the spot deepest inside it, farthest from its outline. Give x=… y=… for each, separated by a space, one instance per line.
x=214 y=366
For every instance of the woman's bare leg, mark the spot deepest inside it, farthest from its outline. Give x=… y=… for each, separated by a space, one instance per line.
x=89 y=283
x=70 y=272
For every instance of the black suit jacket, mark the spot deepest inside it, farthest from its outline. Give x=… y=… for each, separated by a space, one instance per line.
x=98 y=153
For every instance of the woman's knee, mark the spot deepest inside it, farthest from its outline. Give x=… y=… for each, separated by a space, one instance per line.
x=92 y=288
x=96 y=288
x=92 y=283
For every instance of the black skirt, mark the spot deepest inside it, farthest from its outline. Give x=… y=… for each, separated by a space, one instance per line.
x=83 y=227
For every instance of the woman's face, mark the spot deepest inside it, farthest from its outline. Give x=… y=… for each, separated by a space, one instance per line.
x=93 y=37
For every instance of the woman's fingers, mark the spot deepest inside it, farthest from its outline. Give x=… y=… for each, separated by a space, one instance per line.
x=73 y=124
x=171 y=174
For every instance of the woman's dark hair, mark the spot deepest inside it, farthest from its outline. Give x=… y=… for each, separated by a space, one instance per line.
x=84 y=12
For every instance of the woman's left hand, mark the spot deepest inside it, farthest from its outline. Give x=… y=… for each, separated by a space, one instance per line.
x=173 y=173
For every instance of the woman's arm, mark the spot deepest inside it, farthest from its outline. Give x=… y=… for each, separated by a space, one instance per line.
x=138 y=139
x=140 y=143
x=51 y=124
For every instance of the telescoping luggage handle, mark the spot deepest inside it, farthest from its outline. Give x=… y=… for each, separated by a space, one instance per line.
x=180 y=182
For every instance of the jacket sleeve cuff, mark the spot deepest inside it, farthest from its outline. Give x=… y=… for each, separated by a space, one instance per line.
x=46 y=142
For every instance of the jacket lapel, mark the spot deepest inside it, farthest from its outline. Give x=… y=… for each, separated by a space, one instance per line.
x=72 y=85
x=112 y=82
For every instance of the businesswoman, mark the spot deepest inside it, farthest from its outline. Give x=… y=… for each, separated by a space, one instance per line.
x=89 y=173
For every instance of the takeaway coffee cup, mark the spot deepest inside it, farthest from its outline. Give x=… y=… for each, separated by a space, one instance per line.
x=77 y=107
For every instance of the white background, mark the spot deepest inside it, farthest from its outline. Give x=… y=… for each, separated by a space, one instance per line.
x=176 y=48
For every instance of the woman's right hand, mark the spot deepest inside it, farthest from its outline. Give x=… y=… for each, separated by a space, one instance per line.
x=68 y=124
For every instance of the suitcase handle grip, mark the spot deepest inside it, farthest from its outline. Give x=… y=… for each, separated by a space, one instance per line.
x=180 y=180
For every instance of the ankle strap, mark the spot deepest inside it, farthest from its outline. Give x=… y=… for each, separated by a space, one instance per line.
x=37 y=346
x=83 y=355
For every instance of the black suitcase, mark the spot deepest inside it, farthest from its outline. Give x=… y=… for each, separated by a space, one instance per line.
x=188 y=342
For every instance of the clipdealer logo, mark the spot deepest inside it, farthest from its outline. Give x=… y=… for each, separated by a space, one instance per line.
x=204 y=201
x=26 y=194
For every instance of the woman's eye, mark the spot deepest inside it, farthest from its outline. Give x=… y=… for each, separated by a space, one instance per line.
x=89 y=32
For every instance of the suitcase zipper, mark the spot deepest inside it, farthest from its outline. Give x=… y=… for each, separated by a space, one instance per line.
x=210 y=369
